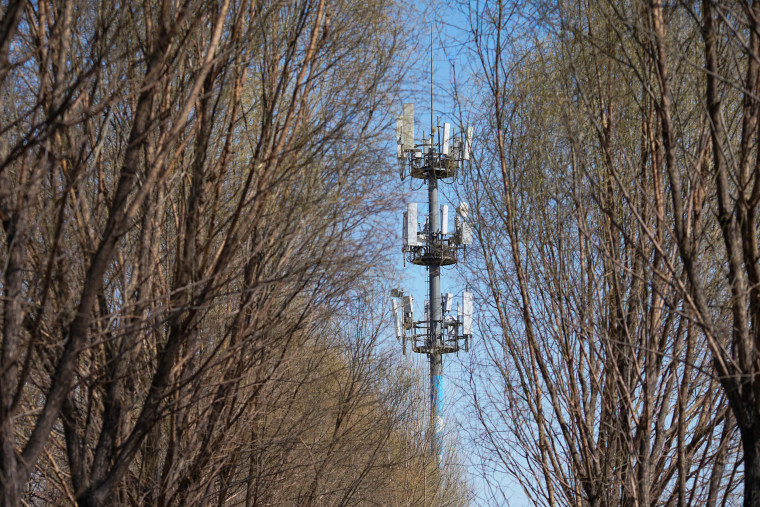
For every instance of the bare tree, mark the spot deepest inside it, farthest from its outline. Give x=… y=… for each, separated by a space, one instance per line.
x=185 y=191
x=730 y=188
x=599 y=389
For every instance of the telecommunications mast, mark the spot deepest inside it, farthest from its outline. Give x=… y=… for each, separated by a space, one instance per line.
x=439 y=156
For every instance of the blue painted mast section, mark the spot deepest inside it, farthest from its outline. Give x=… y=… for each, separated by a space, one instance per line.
x=436 y=400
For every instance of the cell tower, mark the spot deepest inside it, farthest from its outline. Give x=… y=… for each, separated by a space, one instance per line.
x=438 y=157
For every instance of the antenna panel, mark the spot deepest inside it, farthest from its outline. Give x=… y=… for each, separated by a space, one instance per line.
x=467 y=314
x=427 y=310
x=456 y=149
x=396 y=319
x=467 y=143
x=410 y=225
x=404 y=234
x=422 y=236
x=408 y=312
x=408 y=127
x=399 y=132
x=466 y=234
x=445 y=219
x=447 y=302
x=446 y=138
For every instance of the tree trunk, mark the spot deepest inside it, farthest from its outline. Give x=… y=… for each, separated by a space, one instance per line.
x=751 y=446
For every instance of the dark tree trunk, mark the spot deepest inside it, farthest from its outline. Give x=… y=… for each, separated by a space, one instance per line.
x=751 y=446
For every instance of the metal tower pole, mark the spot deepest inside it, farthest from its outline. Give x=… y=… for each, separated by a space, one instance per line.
x=435 y=356
x=434 y=337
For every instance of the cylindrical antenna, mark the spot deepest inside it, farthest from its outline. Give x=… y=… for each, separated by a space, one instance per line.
x=431 y=83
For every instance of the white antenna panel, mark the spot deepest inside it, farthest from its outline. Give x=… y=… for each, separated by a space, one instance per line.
x=427 y=310
x=467 y=314
x=410 y=225
x=399 y=132
x=447 y=302
x=466 y=234
x=467 y=143
x=404 y=232
x=422 y=236
x=408 y=127
x=408 y=312
x=396 y=320
x=445 y=219
x=446 y=138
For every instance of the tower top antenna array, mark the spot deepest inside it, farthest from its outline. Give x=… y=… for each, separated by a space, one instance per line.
x=441 y=331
